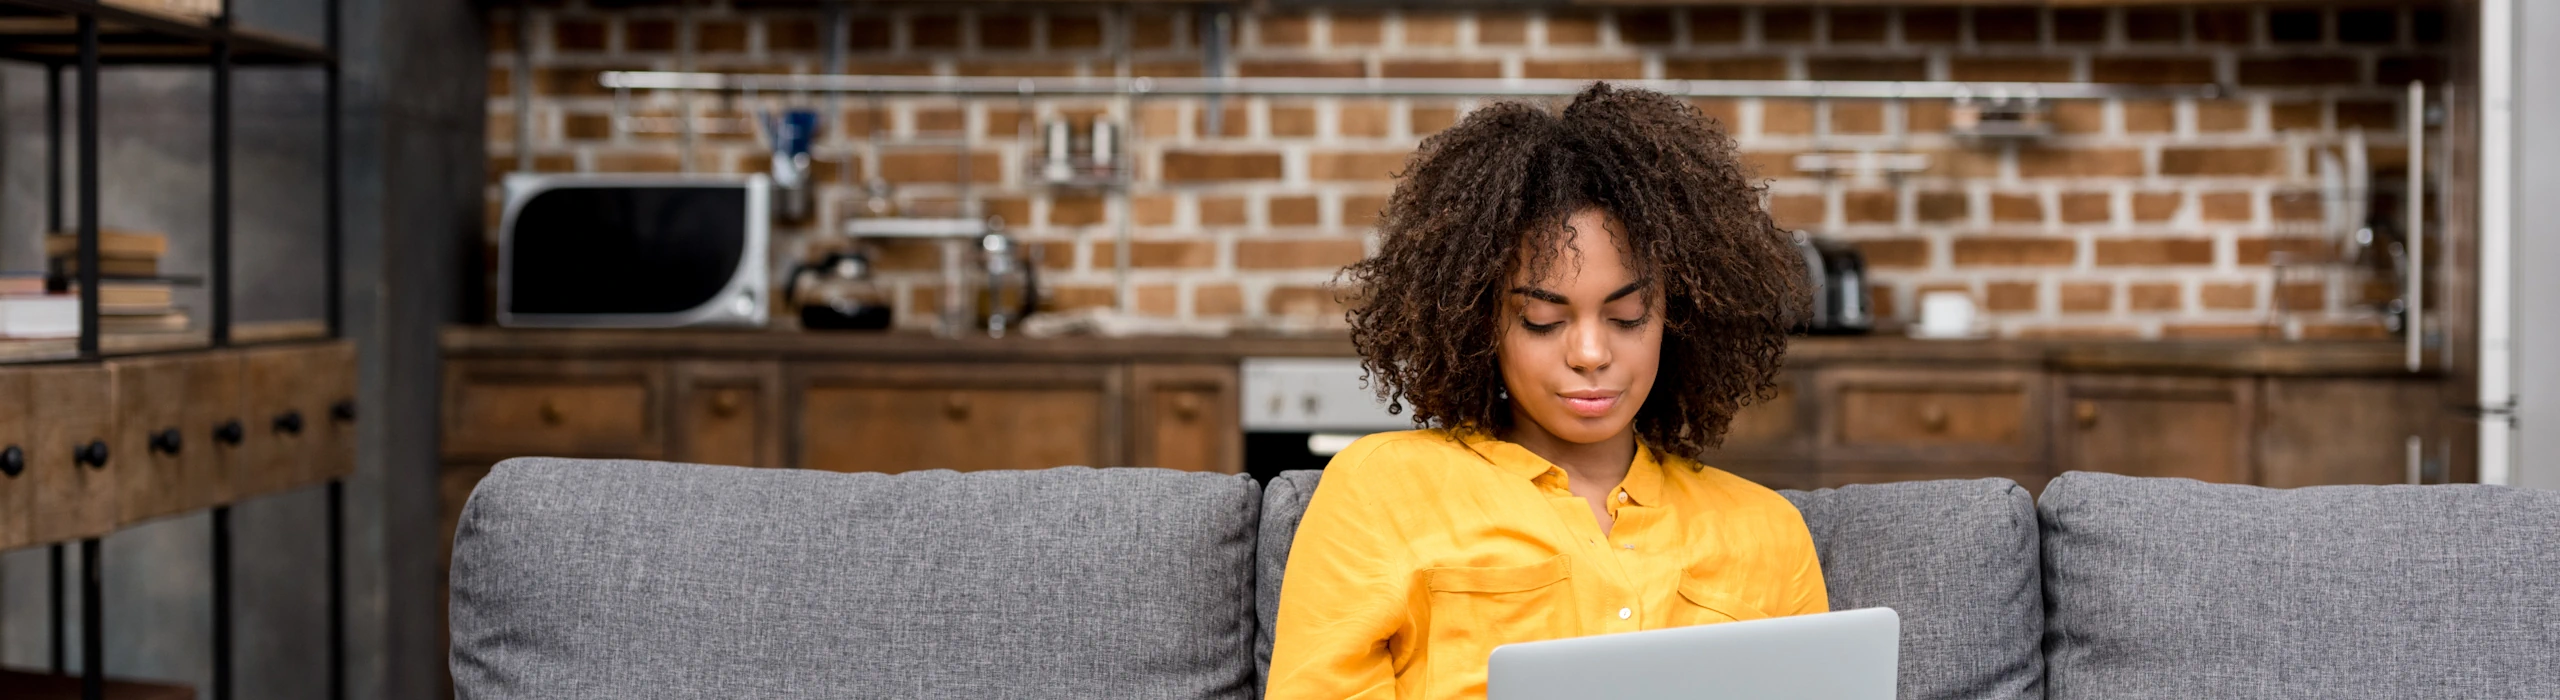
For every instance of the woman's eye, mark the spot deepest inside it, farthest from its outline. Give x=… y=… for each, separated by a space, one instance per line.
x=1535 y=327
x=1637 y=322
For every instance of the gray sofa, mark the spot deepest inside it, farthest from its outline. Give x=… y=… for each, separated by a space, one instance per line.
x=604 y=579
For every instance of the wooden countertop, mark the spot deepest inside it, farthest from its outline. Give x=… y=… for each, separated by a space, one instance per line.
x=2325 y=358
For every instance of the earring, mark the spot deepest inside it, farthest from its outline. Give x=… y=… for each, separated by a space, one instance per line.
x=1503 y=393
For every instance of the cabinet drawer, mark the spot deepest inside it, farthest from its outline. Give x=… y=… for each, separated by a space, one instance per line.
x=328 y=403
x=727 y=413
x=502 y=409
x=1185 y=418
x=2193 y=427
x=76 y=496
x=966 y=418
x=216 y=427
x=17 y=441
x=150 y=446
x=1970 y=414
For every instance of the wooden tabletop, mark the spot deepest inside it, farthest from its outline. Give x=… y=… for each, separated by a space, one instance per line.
x=2327 y=358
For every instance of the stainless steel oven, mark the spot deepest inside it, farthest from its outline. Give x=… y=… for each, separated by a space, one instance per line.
x=1298 y=412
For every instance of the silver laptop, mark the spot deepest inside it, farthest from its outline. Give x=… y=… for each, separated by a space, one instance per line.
x=1847 y=655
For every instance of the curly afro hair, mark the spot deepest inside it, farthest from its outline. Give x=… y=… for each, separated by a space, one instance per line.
x=1492 y=193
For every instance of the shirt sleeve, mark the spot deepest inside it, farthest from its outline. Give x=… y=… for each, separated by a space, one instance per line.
x=1805 y=578
x=1342 y=600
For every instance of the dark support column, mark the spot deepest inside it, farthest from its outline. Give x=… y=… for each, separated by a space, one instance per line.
x=58 y=609
x=88 y=189
x=221 y=603
x=93 y=647
x=337 y=589
x=220 y=276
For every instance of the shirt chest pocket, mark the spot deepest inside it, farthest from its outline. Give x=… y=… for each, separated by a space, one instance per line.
x=1706 y=601
x=1476 y=608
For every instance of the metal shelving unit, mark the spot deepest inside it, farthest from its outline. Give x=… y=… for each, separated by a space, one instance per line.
x=82 y=38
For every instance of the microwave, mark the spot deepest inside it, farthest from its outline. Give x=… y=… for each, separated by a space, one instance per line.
x=633 y=251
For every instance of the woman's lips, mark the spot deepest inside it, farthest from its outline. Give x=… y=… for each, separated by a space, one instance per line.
x=1590 y=403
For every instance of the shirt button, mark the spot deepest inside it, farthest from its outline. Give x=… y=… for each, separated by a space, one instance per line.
x=1624 y=613
x=1630 y=548
x=1622 y=497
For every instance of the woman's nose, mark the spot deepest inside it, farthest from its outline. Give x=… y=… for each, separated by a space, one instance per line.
x=1587 y=347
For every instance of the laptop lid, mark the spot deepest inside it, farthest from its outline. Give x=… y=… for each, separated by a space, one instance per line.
x=1847 y=655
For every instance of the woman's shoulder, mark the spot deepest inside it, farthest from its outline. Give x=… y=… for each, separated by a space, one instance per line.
x=1399 y=459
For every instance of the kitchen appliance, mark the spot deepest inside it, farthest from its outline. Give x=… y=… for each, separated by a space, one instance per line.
x=1836 y=274
x=633 y=251
x=789 y=134
x=1299 y=411
x=1008 y=283
x=842 y=295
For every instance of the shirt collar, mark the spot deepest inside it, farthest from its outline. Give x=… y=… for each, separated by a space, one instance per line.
x=1644 y=476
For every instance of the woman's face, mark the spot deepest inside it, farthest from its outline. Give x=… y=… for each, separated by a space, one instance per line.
x=1580 y=346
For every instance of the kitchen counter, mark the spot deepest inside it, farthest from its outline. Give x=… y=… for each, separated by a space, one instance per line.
x=2321 y=358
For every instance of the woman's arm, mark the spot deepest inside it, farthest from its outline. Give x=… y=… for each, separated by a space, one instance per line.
x=1342 y=600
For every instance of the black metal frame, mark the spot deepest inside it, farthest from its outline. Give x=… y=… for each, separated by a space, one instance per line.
x=133 y=37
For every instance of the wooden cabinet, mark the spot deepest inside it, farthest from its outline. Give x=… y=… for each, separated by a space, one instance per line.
x=727 y=413
x=328 y=400
x=150 y=443
x=515 y=408
x=966 y=417
x=215 y=429
x=17 y=440
x=1915 y=414
x=1184 y=417
x=2315 y=431
x=2194 y=427
x=72 y=463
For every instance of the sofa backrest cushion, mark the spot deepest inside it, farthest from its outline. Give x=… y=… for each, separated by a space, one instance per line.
x=621 y=579
x=1284 y=503
x=2176 y=588
x=1957 y=560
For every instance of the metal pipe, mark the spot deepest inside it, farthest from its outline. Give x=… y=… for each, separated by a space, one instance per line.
x=53 y=149
x=88 y=187
x=333 y=270
x=2416 y=327
x=1379 y=87
x=58 y=610
x=2496 y=394
x=221 y=603
x=337 y=563
x=93 y=613
x=219 y=278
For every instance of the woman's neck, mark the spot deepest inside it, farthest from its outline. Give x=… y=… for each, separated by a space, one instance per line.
x=1603 y=464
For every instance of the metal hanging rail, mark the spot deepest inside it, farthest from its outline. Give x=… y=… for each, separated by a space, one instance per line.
x=1379 y=87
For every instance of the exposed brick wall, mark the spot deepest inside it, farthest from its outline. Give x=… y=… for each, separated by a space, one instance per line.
x=2140 y=218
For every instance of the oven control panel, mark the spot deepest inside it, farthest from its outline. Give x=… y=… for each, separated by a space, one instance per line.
x=1312 y=394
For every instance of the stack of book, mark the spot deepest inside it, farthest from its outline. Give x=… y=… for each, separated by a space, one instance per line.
x=131 y=297
x=26 y=311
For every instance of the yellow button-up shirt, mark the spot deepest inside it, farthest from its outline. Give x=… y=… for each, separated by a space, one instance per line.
x=1422 y=550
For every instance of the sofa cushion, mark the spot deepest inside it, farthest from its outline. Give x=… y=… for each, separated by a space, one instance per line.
x=2176 y=588
x=1284 y=503
x=621 y=579
x=1957 y=561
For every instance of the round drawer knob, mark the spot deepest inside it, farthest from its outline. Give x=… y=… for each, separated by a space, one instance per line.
x=725 y=403
x=956 y=406
x=551 y=414
x=289 y=422
x=1186 y=406
x=166 y=441
x=92 y=455
x=229 y=433
x=13 y=461
x=1934 y=418
x=2085 y=412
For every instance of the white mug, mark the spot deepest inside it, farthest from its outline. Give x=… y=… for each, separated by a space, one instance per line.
x=1946 y=314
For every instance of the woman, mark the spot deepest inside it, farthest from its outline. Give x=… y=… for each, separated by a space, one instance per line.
x=1575 y=303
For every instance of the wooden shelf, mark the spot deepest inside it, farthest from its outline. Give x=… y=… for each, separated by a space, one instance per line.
x=47 y=31
x=24 y=685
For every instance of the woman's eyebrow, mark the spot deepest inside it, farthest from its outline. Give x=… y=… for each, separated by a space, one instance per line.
x=1626 y=290
x=1541 y=295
